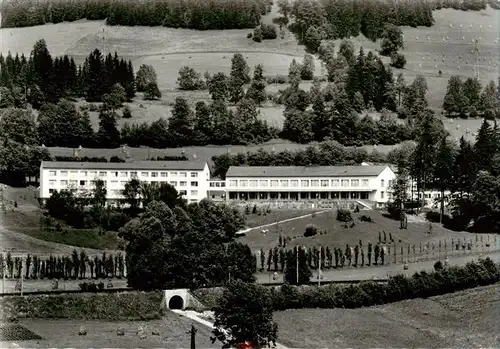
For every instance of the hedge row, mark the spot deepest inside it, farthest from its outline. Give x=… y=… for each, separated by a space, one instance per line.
x=420 y=285
x=192 y=14
x=130 y=306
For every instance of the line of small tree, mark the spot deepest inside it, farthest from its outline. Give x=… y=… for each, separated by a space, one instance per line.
x=327 y=153
x=42 y=79
x=315 y=21
x=330 y=257
x=192 y=14
x=421 y=285
x=74 y=266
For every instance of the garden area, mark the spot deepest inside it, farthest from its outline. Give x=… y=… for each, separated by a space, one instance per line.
x=421 y=240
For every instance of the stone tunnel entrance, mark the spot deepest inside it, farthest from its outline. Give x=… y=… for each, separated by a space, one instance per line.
x=176 y=302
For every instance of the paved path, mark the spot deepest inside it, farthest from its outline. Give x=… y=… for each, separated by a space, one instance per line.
x=283 y=221
x=193 y=315
x=345 y=274
x=382 y=272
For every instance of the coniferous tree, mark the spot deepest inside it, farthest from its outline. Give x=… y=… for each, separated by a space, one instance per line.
x=257 y=89
x=95 y=87
x=442 y=169
x=108 y=135
x=484 y=148
x=181 y=124
x=304 y=272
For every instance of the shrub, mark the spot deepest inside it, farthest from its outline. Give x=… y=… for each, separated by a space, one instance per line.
x=127 y=113
x=268 y=32
x=109 y=306
x=249 y=35
x=257 y=34
x=344 y=215
x=189 y=79
x=365 y=218
x=438 y=266
x=398 y=60
x=311 y=230
x=278 y=79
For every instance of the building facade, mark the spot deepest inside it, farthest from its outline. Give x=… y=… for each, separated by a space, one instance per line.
x=190 y=178
x=295 y=183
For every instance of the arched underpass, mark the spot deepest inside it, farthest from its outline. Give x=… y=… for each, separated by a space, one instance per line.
x=176 y=302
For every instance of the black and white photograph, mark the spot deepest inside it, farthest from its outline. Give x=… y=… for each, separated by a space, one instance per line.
x=249 y=174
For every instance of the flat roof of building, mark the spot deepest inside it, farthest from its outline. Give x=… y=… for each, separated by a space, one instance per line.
x=305 y=171
x=135 y=165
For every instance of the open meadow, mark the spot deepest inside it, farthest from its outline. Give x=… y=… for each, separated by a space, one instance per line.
x=446 y=46
x=173 y=333
x=465 y=319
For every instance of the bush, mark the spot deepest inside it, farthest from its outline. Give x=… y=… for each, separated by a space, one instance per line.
x=108 y=306
x=423 y=284
x=257 y=35
x=344 y=215
x=127 y=113
x=268 y=32
x=249 y=35
x=438 y=266
x=398 y=60
x=311 y=230
x=365 y=218
x=278 y=79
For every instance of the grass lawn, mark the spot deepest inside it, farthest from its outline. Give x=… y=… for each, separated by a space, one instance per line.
x=256 y=220
x=459 y=320
x=338 y=236
x=88 y=238
x=64 y=333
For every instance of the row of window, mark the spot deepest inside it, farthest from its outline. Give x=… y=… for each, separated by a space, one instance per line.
x=123 y=174
x=217 y=184
x=297 y=195
x=83 y=183
x=116 y=192
x=304 y=183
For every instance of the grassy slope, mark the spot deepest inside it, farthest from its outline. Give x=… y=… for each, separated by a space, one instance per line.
x=26 y=219
x=463 y=319
x=338 y=236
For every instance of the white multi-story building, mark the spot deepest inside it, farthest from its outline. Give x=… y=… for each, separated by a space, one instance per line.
x=190 y=178
x=296 y=183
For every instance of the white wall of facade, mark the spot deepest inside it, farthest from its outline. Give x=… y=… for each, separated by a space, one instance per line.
x=193 y=184
x=377 y=186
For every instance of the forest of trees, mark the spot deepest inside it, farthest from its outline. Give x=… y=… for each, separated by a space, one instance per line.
x=469 y=171
x=192 y=14
x=42 y=79
x=469 y=99
x=336 y=19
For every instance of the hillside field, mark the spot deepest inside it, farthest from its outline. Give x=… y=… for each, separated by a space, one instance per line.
x=464 y=319
x=167 y=50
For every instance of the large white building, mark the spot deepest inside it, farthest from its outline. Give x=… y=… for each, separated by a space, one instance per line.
x=190 y=178
x=243 y=183
x=300 y=183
